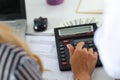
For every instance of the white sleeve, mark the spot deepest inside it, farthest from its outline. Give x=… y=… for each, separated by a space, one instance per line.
x=107 y=38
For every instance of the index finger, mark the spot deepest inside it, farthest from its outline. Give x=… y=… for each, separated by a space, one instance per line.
x=71 y=49
x=80 y=45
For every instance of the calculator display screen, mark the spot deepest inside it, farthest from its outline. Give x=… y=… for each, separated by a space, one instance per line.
x=75 y=30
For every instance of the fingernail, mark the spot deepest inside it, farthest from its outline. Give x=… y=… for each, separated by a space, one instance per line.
x=68 y=45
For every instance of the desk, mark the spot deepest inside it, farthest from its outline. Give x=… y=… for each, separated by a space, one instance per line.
x=57 y=15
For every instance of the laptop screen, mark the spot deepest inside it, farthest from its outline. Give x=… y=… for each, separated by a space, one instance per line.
x=12 y=9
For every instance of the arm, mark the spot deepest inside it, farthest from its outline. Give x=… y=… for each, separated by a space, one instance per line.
x=82 y=61
x=27 y=69
x=107 y=40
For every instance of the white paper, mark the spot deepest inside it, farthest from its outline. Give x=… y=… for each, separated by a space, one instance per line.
x=91 y=6
x=42 y=44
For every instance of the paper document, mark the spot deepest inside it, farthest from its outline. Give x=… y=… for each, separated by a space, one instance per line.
x=90 y=6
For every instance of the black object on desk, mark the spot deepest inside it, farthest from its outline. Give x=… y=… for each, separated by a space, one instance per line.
x=40 y=24
x=73 y=35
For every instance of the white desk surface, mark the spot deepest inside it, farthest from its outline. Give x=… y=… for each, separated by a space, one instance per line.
x=57 y=15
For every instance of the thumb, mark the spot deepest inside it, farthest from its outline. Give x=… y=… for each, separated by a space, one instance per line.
x=71 y=49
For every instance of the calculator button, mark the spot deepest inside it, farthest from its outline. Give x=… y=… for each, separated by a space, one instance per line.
x=85 y=46
x=61 y=49
x=89 y=42
x=63 y=56
x=91 y=45
x=63 y=59
x=74 y=44
x=66 y=41
x=62 y=52
x=61 y=45
x=63 y=63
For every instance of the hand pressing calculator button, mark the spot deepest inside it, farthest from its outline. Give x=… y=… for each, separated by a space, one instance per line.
x=73 y=35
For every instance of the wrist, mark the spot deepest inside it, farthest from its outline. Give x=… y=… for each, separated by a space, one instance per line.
x=82 y=77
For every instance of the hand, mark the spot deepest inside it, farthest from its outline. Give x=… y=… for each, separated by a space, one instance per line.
x=82 y=61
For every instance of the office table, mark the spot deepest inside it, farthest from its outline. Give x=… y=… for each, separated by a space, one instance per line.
x=57 y=15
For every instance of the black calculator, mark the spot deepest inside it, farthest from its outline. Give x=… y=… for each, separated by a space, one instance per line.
x=73 y=35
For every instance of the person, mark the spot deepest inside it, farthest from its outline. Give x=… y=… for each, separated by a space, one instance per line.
x=17 y=62
x=107 y=38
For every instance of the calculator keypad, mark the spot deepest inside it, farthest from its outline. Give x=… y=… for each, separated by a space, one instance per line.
x=64 y=56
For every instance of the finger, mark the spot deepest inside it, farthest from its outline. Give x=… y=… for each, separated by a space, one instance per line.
x=95 y=55
x=90 y=50
x=71 y=49
x=85 y=52
x=80 y=45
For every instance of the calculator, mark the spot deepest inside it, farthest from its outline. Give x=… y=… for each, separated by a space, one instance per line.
x=73 y=35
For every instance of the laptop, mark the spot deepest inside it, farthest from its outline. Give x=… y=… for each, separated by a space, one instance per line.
x=13 y=13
